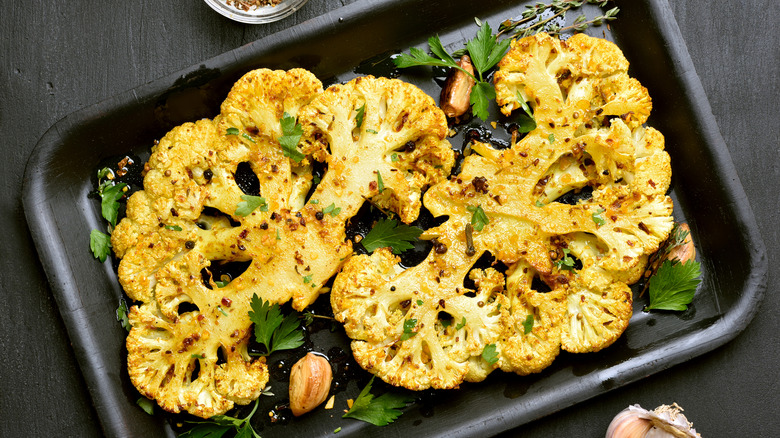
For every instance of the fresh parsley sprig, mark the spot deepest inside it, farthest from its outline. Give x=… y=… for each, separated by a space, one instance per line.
x=273 y=330
x=390 y=233
x=291 y=135
x=379 y=411
x=478 y=217
x=219 y=425
x=489 y=354
x=485 y=52
x=674 y=285
x=249 y=204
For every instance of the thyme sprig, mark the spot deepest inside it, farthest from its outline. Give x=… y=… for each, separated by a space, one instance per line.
x=533 y=20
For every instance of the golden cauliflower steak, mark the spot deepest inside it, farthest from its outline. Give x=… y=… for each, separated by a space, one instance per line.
x=373 y=129
x=572 y=209
x=188 y=345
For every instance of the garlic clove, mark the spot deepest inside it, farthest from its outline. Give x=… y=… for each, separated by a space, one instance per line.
x=686 y=250
x=310 y=380
x=455 y=97
x=664 y=422
x=627 y=424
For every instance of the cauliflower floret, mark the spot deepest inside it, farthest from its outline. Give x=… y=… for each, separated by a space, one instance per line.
x=532 y=336
x=420 y=327
x=373 y=129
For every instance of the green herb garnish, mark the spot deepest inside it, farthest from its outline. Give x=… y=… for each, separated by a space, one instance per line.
x=379 y=411
x=567 y=262
x=332 y=210
x=389 y=233
x=121 y=315
x=100 y=244
x=219 y=425
x=361 y=113
x=409 y=326
x=249 y=204
x=478 y=217
x=291 y=135
x=598 y=218
x=489 y=354
x=528 y=324
x=274 y=331
x=485 y=52
x=674 y=285
x=146 y=404
x=380 y=185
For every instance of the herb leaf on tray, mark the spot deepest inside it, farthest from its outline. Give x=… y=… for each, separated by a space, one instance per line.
x=388 y=232
x=273 y=330
x=379 y=411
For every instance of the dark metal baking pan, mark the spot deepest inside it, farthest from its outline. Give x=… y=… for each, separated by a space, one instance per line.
x=706 y=189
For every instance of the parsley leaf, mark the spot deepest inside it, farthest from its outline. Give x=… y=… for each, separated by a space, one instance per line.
x=173 y=227
x=100 y=244
x=291 y=135
x=461 y=324
x=478 y=217
x=146 y=404
x=121 y=315
x=566 y=263
x=380 y=185
x=232 y=131
x=485 y=51
x=387 y=233
x=481 y=95
x=551 y=138
x=489 y=354
x=332 y=210
x=219 y=425
x=598 y=218
x=272 y=330
x=674 y=285
x=361 y=113
x=528 y=324
x=109 y=201
x=380 y=411
x=249 y=204
x=409 y=326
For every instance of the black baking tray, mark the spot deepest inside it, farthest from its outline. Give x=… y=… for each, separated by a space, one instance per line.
x=336 y=47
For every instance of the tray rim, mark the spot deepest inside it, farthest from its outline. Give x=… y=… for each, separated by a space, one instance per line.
x=108 y=399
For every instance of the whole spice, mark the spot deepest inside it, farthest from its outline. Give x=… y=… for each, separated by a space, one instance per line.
x=310 y=380
x=665 y=421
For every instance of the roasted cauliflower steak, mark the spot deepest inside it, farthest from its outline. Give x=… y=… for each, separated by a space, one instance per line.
x=572 y=210
x=188 y=346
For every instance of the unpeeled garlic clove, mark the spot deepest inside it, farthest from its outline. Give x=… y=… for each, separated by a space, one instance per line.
x=686 y=250
x=664 y=422
x=310 y=380
x=456 y=94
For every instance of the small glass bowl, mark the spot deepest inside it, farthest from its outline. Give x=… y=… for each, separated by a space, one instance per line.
x=263 y=14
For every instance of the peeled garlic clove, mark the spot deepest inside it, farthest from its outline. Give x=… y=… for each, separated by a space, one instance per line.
x=664 y=422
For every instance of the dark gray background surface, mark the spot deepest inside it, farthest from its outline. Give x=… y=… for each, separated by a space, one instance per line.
x=57 y=57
